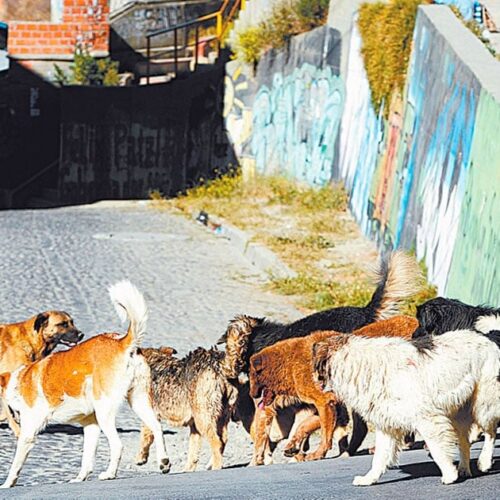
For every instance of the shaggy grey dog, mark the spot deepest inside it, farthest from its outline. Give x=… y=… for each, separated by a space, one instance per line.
x=198 y=391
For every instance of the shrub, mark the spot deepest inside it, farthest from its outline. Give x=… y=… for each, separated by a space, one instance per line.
x=387 y=32
x=288 y=18
x=87 y=70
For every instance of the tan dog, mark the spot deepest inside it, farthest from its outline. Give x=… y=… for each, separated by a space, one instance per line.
x=282 y=375
x=198 y=391
x=31 y=340
x=86 y=385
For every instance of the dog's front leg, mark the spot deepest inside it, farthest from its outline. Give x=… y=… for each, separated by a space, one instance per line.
x=193 y=449
x=386 y=449
x=261 y=427
x=146 y=441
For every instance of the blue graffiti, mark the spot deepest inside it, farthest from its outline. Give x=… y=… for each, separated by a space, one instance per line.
x=296 y=123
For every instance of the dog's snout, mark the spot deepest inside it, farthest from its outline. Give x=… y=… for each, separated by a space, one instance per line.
x=80 y=336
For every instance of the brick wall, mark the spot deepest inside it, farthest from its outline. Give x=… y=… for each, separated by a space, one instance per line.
x=83 y=21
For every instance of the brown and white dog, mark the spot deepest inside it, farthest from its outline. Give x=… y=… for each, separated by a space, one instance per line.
x=86 y=385
x=282 y=375
x=31 y=340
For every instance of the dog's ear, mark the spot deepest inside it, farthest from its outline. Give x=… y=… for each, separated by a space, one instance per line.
x=168 y=351
x=41 y=321
x=222 y=339
x=256 y=362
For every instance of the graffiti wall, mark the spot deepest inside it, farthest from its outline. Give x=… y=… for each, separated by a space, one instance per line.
x=425 y=176
x=162 y=137
x=286 y=117
x=422 y=179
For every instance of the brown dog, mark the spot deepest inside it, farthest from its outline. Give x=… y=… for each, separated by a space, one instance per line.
x=86 y=385
x=31 y=340
x=282 y=374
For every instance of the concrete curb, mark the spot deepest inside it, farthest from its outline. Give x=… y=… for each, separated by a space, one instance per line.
x=259 y=255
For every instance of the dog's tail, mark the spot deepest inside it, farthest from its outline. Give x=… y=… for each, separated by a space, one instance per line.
x=130 y=304
x=398 y=278
x=237 y=338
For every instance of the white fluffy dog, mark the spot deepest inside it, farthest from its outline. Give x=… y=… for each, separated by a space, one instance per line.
x=435 y=386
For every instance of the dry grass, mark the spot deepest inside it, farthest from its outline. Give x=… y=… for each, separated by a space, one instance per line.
x=309 y=229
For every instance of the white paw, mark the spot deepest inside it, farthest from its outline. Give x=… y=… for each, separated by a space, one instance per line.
x=484 y=464
x=268 y=460
x=344 y=455
x=363 y=480
x=104 y=476
x=449 y=477
x=6 y=485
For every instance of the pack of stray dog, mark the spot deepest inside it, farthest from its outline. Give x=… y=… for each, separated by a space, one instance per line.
x=335 y=371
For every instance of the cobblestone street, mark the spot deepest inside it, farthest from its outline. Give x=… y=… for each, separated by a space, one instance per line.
x=193 y=282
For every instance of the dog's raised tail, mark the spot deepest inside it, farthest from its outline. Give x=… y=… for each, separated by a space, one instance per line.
x=237 y=339
x=399 y=277
x=130 y=304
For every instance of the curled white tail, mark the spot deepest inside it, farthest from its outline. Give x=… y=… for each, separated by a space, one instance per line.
x=487 y=324
x=130 y=304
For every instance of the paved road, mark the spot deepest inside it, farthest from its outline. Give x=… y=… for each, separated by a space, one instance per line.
x=193 y=282
x=417 y=477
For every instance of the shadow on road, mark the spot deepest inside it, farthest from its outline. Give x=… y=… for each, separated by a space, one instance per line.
x=74 y=430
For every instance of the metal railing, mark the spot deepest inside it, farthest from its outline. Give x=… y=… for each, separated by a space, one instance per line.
x=222 y=19
x=11 y=194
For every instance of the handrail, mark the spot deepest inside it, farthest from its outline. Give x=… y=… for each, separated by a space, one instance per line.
x=221 y=27
x=11 y=192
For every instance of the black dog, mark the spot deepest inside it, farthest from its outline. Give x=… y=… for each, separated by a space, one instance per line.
x=441 y=315
x=399 y=277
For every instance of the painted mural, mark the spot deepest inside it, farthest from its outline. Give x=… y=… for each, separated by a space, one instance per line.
x=409 y=176
x=425 y=179
x=286 y=118
x=295 y=124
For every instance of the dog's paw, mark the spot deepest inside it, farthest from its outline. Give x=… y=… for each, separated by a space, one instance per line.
x=345 y=454
x=290 y=451
x=165 y=465
x=464 y=471
x=105 y=476
x=450 y=477
x=141 y=460
x=300 y=457
x=363 y=480
x=484 y=464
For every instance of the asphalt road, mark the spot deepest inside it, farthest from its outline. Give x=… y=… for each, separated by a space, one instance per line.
x=194 y=283
x=417 y=477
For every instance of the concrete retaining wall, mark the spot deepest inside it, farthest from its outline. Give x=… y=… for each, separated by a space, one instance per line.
x=427 y=178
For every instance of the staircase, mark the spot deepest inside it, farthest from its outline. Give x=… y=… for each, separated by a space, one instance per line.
x=161 y=64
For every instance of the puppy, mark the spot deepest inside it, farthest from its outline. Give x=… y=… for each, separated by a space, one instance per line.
x=31 y=340
x=440 y=315
x=86 y=385
x=283 y=374
x=198 y=391
x=398 y=277
x=436 y=386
